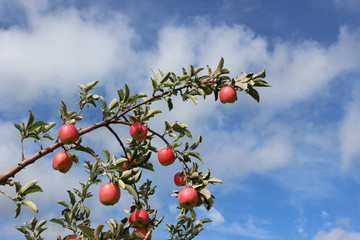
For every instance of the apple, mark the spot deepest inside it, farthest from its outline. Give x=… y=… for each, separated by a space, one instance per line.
x=142 y=231
x=166 y=156
x=227 y=94
x=179 y=179
x=187 y=198
x=68 y=134
x=62 y=162
x=127 y=164
x=109 y=194
x=139 y=218
x=138 y=131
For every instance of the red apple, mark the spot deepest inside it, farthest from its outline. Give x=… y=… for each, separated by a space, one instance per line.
x=109 y=194
x=227 y=94
x=179 y=179
x=166 y=156
x=138 y=131
x=68 y=134
x=143 y=231
x=139 y=218
x=187 y=197
x=62 y=162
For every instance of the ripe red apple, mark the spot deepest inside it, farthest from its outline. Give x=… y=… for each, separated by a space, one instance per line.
x=227 y=94
x=143 y=231
x=62 y=162
x=187 y=197
x=139 y=218
x=166 y=156
x=68 y=134
x=179 y=179
x=138 y=131
x=109 y=194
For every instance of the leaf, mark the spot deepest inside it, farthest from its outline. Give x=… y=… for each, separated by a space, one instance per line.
x=214 y=180
x=27 y=186
x=156 y=75
x=151 y=113
x=29 y=204
x=261 y=74
x=90 y=86
x=87 y=231
x=193 y=98
x=195 y=144
x=220 y=65
x=98 y=230
x=261 y=83
x=170 y=104
x=18 y=127
x=113 y=104
x=17 y=210
x=253 y=93
x=206 y=193
x=22 y=229
x=132 y=191
x=64 y=203
x=165 y=77
x=197 y=155
x=30 y=120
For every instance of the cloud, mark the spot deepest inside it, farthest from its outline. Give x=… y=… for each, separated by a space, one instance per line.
x=58 y=50
x=349 y=133
x=337 y=234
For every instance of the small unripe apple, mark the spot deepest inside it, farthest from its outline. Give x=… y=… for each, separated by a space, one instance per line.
x=143 y=231
x=179 y=179
x=138 y=131
x=109 y=194
x=187 y=198
x=68 y=134
x=139 y=218
x=227 y=94
x=62 y=162
x=166 y=156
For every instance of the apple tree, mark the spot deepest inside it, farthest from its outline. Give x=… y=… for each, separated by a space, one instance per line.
x=139 y=153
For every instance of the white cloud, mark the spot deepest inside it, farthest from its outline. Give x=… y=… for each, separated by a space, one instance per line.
x=337 y=234
x=59 y=50
x=349 y=136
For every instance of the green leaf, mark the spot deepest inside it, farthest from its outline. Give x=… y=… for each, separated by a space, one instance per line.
x=30 y=120
x=156 y=75
x=98 y=230
x=170 y=104
x=132 y=191
x=195 y=144
x=197 y=155
x=220 y=65
x=29 y=204
x=27 y=186
x=151 y=113
x=165 y=77
x=193 y=98
x=90 y=86
x=261 y=83
x=22 y=229
x=87 y=231
x=64 y=203
x=261 y=74
x=18 y=127
x=253 y=93
x=113 y=104
x=214 y=180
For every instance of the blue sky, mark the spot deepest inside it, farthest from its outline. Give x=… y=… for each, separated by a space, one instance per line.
x=289 y=163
